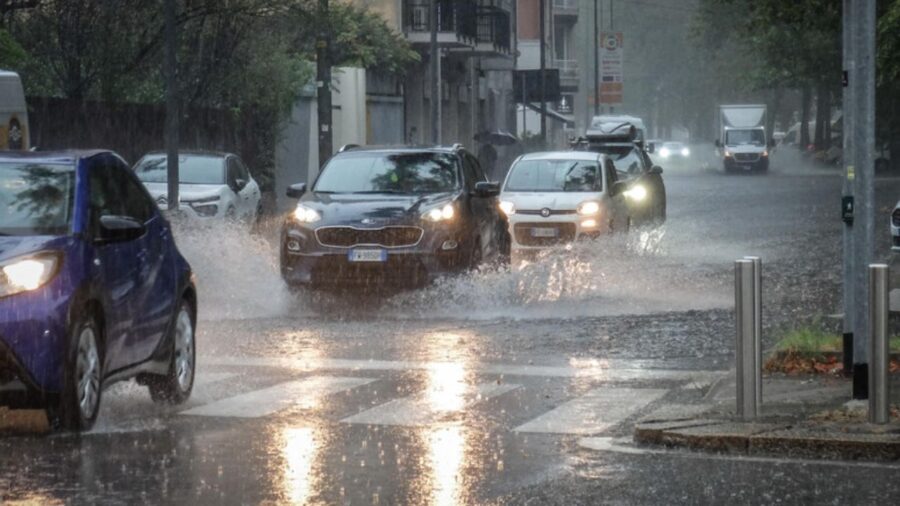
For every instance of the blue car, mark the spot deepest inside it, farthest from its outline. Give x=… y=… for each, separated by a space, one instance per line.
x=93 y=289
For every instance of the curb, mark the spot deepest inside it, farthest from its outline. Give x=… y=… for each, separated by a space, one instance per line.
x=834 y=442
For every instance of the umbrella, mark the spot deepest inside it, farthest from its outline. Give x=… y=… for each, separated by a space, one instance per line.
x=496 y=137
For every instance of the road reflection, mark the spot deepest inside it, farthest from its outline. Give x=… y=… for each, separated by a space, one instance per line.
x=447 y=452
x=300 y=450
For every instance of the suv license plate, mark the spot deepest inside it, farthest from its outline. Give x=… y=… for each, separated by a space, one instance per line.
x=544 y=232
x=367 y=255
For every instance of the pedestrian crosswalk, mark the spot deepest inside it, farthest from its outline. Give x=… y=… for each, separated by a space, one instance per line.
x=439 y=392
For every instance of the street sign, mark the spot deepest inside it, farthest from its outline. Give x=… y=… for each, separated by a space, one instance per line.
x=531 y=79
x=611 y=62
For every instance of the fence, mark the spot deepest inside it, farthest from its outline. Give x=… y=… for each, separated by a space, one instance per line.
x=134 y=129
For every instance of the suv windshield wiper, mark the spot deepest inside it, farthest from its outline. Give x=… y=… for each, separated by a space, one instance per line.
x=381 y=191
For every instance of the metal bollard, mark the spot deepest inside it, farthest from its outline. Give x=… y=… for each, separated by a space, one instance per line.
x=879 y=352
x=748 y=324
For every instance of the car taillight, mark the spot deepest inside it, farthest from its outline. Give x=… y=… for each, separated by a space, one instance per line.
x=895 y=217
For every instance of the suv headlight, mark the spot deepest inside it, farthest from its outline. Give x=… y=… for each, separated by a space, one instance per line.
x=441 y=213
x=664 y=152
x=507 y=207
x=304 y=214
x=636 y=193
x=27 y=273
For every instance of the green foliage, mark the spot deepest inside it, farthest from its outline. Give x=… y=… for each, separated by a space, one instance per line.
x=11 y=53
x=813 y=339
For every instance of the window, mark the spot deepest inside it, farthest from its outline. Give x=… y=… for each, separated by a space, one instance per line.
x=556 y=176
x=376 y=172
x=192 y=169
x=114 y=192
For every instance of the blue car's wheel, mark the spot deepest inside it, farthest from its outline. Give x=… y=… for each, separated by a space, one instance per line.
x=175 y=387
x=79 y=403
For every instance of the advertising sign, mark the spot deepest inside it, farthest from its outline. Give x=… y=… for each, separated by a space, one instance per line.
x=611 y=61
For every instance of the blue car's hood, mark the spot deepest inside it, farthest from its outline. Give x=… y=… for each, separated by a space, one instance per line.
x=376 y=209
x=13 y=246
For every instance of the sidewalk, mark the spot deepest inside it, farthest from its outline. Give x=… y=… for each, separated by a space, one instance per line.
x=802 y=417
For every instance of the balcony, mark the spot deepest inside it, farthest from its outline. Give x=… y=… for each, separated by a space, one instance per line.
x=493 y=29
x=456 y=22
x=566 y=8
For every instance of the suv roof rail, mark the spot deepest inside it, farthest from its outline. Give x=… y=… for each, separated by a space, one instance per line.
x=347 y=147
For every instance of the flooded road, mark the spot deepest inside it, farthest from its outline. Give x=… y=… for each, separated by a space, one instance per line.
x=478 y=390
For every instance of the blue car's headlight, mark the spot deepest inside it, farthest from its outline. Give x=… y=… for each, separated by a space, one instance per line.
x=27 y=273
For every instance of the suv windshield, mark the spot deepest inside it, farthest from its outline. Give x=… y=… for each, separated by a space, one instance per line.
x=556 y=176
x=738 y=137
x=35 y=199
x=192 y=169
x=390 y=173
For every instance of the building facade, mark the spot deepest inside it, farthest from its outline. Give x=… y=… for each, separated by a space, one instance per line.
x=562 y=52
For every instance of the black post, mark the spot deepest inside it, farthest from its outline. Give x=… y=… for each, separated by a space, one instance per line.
x=172 y=113
x=543 y=83
x=596 y=43
x=323 y=80
x=435 y=74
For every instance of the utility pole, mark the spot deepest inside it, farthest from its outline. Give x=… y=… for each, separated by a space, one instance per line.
x=860 y=174
x=611 y=29
x=323 y=83
x=543 y=78
x=435 y=55
x=172 y=110
x=596 y=58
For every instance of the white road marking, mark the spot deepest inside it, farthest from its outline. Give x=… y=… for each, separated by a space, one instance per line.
x=427 y=408
x=604 y=370
x=304 y=393
x=594 y=412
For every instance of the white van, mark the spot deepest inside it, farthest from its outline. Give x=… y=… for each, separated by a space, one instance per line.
x=14 y=133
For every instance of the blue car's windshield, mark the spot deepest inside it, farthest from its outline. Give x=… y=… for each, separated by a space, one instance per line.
x=35 y=199
x=423 y=172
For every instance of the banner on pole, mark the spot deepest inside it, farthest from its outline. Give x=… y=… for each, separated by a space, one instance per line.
x=611 y=62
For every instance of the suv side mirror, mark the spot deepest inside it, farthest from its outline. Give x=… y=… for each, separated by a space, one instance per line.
x=651 y=147
x=239 y=184
x=656 y=170
x=295 y=191
x=484 y=189
x=718 y=143
x=119 y=229
x=617 y=188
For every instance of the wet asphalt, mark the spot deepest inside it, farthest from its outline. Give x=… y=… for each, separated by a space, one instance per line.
x=479 y=390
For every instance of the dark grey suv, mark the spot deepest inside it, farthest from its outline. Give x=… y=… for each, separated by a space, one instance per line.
x=392 y=217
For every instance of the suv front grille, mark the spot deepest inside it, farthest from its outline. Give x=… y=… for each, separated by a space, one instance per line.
x=389 y=237
x=746 y=157
x=565 y=232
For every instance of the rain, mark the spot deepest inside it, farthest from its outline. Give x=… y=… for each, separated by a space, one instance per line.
x=492 y=252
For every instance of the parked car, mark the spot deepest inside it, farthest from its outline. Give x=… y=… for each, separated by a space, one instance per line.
x=555 y=198
x=93 y=289
x=619 y=141
x=397 y=216
x=14 y=132
x=212 y=185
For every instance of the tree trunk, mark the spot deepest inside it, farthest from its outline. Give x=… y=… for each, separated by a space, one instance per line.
x=806 y=100
x=826 y=125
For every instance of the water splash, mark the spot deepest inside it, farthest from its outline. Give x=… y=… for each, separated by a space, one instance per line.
x=237 y=271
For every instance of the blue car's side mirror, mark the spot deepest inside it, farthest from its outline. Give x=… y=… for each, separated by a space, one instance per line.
x=295 y=191
x=119 y=229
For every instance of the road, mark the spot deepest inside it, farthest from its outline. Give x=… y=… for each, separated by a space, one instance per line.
x=495 y=388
